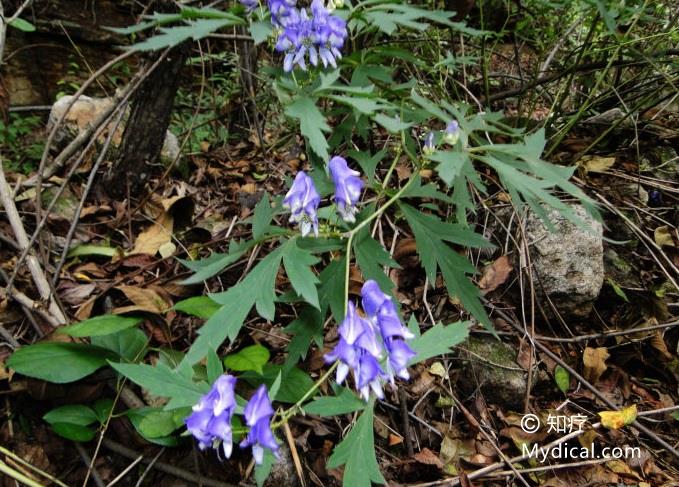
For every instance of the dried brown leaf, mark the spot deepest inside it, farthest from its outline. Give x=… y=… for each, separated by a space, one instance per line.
x=495 y=274
x=594 y=361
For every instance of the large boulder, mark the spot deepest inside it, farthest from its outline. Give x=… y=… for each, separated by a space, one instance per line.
x=84 y=112
x=567 y=261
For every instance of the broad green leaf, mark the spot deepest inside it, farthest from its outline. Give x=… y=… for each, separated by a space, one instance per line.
x=261 y=219
x=262 y=471
x=431 y=235
x=331 y=288
x=22 y=25
x=357 y=453
x=392 y=124
x=438 y=340
x=214 y=367
x=103 y=408
x=307 y=327
x=128 y=344
x=253 y=357
x=72 y=414
x=211 y=266
x=367 y=162
x=450 y=165
x=57 y=361
x=101 y=325
x=152 y=422
x=260 y=31
x=297 y=263
x=562 y=378
x=366 y=106
x=200 y=306
x=372 y=258
x=165 y=382
x=74 y=432
x=196 y=29
x=342 y=403
x=102 y=250
x=312 y=124
x=294 y=382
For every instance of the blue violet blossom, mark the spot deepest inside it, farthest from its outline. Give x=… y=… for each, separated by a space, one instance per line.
x=348 y=186
x=210 y=421
x=452 y=133
x=364 y=342
x=258 y=412
x=429 y=145
x=302 y=200
x=320 y=36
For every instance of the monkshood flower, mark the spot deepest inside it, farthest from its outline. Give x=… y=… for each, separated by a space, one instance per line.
x=210 y=421
x=359 y=350
x=295 y=40
x=280 y=11
x=302 y=200
x=348 y=186
x=429 y=146
x=381 y=311
x=330 y=32
x=250 y=5
x=258 y=413
x=452 y=133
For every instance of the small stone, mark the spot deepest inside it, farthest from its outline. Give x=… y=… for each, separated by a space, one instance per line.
x=493 y=369
x=567 y=262
x=283 y=471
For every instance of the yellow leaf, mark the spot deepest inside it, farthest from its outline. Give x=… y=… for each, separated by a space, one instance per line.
x=594 y=360
x=617 y=419
x=663 y=236
x=596 y=163
x=144 y=299
x=437 y=369
x=154 y=237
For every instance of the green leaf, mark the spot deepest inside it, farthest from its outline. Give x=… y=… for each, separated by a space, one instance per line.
x=102 y=250
x=213 y=265
x=294 y=382
x=250 y=358
x=260 y=31
x=343 y=403
x=312 y=124
x=101 y=325
x=152 y=422
x=57 y=361
x=165 y=382
x=128 y=344
x=262 y=471
x=307 y=327
x=367 y=162
x=438 y=340
x=72 y=414
x=357 y=453
x=431 y=235
x=200 y=306
x=451 y=164
x=331 y=289
x=214 y=367
x=74 y=432
x=372 y=258
x=366 y=106
x=22 y=25
x=103 y=408
x=257 y=288
x=262 y=218
x=297 y=263
x=196 y=29
x=562 y=378
x=392 y=124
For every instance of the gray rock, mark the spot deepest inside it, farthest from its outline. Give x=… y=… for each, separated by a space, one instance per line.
x=567 y=262
x=492 y=368
x=283 y=472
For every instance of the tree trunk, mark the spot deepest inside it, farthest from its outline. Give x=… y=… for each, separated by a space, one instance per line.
x=145 y=130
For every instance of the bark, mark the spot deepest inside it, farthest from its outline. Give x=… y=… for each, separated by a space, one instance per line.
x=146 y=127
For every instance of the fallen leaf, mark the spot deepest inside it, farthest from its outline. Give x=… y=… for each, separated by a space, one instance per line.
x=153 y=238
x=428 y=457
x=617 y=419
x=621 y=468
x=144 y=299
x=495 y=274
x=395 y=439
x=663 y=236
x=594 y=360
x=438 y=369
x=596 y=163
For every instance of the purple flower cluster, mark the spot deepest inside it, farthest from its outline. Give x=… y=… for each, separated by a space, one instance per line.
x=210 y=421
x=348 y=186
x=320 y=36
x=302 y=200
x=364 y=342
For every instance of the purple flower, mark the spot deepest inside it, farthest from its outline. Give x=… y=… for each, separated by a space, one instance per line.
x=258 y=413
x=210 y=421
x=302 y=200
x=429 y=146
x=250 y=5
x=452 y=133
x=320 y=36
x=280 y=11
x=400 y=354
x=359 y=350
x=348 y=186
